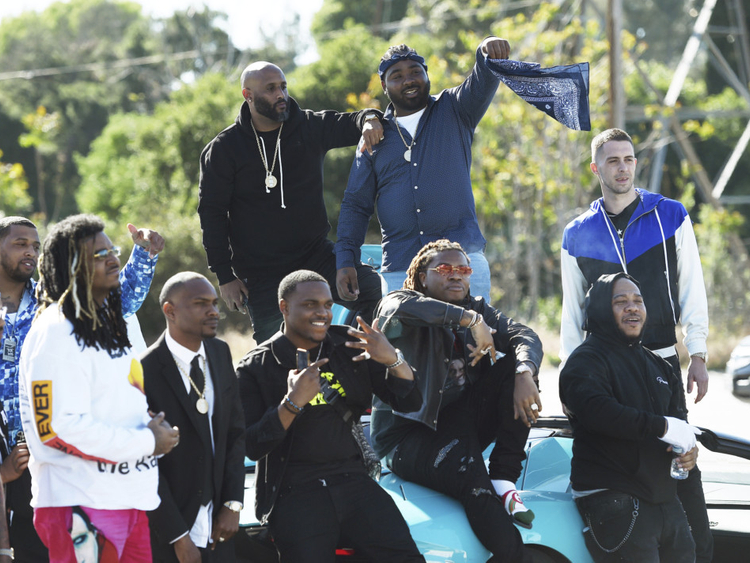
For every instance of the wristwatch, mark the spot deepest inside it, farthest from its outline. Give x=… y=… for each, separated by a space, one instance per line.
x=371 y=117
x=524 y=368
x=702 y=355
x=399 y=360
x=234 y=505
x=8 y=552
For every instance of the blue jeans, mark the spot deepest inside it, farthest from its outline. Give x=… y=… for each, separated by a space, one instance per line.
x=263 y=302
x=480 y=279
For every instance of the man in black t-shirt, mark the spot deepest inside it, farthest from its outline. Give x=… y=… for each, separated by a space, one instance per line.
x=312 y=487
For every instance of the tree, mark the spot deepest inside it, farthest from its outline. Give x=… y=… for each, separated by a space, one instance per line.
x=14 y=197
x=144 y=169
x=335 y=15
x=41 y=129
x=83 y=61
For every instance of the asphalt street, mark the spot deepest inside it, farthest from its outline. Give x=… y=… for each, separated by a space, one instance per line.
x=719 y=411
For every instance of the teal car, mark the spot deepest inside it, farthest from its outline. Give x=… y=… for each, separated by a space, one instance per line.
x=442 y=532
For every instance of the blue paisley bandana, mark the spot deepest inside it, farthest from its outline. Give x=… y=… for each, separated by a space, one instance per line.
x=398 y=57
x=562 y=92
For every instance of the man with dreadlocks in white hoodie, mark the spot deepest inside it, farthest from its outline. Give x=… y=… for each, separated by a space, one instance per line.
x=90 y=436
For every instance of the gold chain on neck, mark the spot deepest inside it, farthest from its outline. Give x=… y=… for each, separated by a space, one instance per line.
x=201 y=394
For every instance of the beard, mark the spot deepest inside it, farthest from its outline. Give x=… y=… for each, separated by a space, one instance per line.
x=266 y=109
x=14 y=271
x=411 y=104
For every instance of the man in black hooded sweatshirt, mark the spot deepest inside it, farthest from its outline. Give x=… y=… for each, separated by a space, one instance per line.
x=261 y=201
x=625 y=407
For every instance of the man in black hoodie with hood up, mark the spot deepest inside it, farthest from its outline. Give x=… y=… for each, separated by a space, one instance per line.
x=625 y=407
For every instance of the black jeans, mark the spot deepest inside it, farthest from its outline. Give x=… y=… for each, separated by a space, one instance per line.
x=450 y=459
x=310 y=521
x=622 y=528
x=263 y=302
x=23 y=537
x=223 y=553
x=690 y=493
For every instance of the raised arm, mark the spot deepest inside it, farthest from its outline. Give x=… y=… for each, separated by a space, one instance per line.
x=138 y=273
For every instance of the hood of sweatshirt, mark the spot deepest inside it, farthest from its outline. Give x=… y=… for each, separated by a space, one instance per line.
x=599 y=318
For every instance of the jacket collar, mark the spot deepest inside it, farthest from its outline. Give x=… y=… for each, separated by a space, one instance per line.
x=285 y=352
x=649 y=201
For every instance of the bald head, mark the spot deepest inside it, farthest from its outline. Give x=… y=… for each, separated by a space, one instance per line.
x=255 y=70
x=191 y=307
x=264 y=90
x=175 y=283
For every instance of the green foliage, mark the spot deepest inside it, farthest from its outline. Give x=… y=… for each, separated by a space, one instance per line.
x=726 y=280
x=141 y=166
x=335 y=15
x=347 y=64
x=530 y=173
x=144 y=170
x=14 y=197
x=79 y=42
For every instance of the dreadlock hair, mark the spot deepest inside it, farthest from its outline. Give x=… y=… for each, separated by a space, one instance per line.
x=66 y=272
x=420 y=262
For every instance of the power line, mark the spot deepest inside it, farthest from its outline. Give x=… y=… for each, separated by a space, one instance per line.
x=93 y=67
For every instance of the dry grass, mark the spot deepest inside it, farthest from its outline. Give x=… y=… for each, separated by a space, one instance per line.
x=240 y=343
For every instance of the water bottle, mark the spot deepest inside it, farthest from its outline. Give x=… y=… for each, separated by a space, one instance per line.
x=676 y=471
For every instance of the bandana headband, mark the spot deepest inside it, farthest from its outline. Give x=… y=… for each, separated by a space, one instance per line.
x=398 y=57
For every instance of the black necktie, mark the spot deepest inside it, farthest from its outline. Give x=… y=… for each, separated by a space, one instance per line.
x=196 y=374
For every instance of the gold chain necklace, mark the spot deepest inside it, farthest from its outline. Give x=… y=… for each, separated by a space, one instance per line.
x=407 y=154
x=201 y=405
x=270 y=178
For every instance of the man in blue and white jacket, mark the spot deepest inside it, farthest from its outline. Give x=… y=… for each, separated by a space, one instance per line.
x=651 y=238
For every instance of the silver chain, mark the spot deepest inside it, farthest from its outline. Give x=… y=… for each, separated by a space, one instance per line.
x=636 y=505
x=262 y=152
x=398 y=128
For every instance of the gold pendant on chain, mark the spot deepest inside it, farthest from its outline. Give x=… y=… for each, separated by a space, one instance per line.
x=201 y=405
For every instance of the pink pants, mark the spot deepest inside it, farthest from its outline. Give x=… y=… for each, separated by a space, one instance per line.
x=96 y=536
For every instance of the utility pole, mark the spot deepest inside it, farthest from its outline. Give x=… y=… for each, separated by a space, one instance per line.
x=616 y=90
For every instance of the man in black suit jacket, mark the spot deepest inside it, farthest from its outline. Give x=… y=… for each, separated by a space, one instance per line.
x=201 y=482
